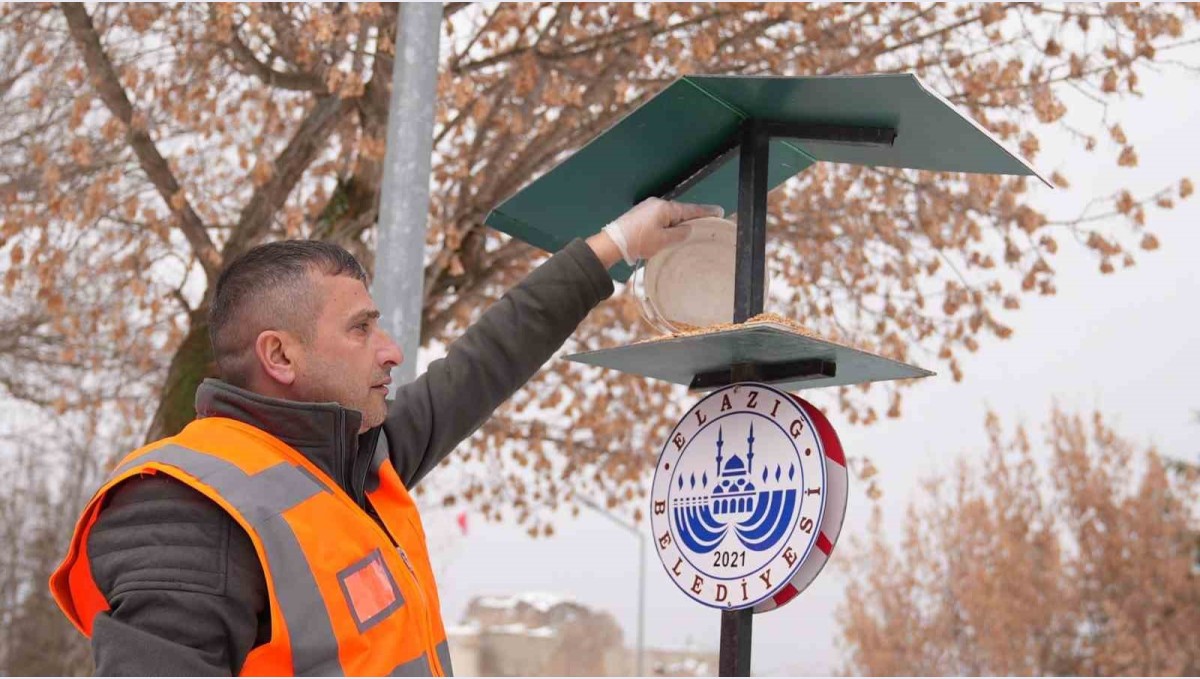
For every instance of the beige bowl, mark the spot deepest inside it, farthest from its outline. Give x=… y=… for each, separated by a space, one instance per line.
x=690 y=284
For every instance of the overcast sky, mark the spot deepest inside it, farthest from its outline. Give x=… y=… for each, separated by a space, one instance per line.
x=1125 y=344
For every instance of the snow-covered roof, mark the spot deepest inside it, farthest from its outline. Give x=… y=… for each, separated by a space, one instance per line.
x=522 y=630
x=463 y=630
x=688 y=666
x=540 y=601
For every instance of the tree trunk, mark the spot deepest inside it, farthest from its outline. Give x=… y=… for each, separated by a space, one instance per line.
x=193 y=362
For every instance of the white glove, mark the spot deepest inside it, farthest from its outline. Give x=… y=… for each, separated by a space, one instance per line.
x=651 y=226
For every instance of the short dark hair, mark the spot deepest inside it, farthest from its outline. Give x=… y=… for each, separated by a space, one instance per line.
x=268 y=287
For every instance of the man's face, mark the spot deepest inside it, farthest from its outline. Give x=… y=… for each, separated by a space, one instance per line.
x=350 y=357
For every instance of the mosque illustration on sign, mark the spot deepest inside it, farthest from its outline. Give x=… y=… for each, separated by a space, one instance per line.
x=758 y=514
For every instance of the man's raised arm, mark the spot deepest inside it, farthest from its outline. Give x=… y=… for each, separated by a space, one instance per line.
x=518 y=334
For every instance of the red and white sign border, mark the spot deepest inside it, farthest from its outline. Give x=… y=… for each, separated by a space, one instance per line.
x=837 y=484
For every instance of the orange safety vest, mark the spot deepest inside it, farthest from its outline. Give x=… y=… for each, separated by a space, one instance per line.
x=346 y=596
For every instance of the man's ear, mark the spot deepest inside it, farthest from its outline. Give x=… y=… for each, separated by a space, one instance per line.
x=276 y=353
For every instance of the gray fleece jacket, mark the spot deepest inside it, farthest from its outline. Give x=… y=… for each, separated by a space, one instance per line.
x=186 y=591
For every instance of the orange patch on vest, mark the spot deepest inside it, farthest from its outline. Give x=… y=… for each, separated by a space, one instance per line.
x=370 y=590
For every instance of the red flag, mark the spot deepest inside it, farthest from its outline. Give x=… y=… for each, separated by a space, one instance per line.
x=462 y=522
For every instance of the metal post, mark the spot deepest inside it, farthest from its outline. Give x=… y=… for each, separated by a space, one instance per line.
x=641 y=630
x=751 y=221
x=642 y=539
x=404 y=203
x=736 y=629
x=737 y=626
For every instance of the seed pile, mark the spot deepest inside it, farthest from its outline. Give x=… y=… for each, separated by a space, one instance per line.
x=693 y=331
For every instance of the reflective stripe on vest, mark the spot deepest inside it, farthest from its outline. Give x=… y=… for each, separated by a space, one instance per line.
x=261 y=499
x=420 y=666
x=413 y=668
x=443 y=653
x=343 y=597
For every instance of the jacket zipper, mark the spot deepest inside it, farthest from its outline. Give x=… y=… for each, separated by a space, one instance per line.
x=385 y=532
x=433 y=657
x=430 y=648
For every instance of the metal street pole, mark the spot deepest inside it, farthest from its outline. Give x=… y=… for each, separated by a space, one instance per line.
x=404 y=200
x=641 y=625
x=641 y=632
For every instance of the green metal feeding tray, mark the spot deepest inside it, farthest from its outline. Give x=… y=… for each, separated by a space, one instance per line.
x=728 y=140
x=782 y=356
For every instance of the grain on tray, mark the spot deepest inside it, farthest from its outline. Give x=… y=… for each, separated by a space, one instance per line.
x=693 y=331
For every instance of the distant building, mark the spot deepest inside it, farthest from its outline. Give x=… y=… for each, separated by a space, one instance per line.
x=545 y=635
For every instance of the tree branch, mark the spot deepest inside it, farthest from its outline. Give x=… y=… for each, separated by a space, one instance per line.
x=487 y=23
x=287 y=170
x=879 y=49
x=587 y=45
x=451 y=8
x=244 y=56
x=374 y=104
x=108 y=86
x=286 y=42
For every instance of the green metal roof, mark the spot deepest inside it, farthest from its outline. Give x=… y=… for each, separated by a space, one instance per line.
x=697 y=117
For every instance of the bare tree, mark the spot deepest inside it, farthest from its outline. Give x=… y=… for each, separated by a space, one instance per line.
x=1083 y=564
x=46 y=475
x=145 y=145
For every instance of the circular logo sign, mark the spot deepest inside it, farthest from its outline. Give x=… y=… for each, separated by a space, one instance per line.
x=738 y=496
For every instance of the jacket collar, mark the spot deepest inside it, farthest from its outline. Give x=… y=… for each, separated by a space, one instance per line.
x=325 y=433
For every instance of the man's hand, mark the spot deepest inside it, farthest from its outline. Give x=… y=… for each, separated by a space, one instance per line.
x=649 y=227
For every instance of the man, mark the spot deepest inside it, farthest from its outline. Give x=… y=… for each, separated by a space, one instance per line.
x=275 y=534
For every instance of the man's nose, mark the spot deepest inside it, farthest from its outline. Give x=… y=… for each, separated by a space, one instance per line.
x=390 y=354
